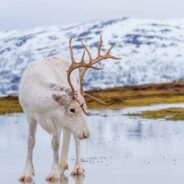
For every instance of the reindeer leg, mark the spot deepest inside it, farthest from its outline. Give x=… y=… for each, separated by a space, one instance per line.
x=78 y=169
x=65 y=148
x=28 y=172
x=55 y=173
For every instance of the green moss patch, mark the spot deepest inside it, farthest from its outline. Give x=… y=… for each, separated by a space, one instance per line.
x=168 y=114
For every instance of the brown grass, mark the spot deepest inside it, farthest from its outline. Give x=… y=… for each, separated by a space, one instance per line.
x=9 y=105
x=127 y=96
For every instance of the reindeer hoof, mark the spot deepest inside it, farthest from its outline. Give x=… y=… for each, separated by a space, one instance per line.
x=53 y=178
x=54 y=175
x=26 y=179
x=27 y=175
x=78 y=170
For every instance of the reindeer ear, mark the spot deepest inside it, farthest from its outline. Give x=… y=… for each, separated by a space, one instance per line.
x=62 y=96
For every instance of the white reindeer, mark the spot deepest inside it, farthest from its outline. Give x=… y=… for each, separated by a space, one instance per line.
x=51 y=95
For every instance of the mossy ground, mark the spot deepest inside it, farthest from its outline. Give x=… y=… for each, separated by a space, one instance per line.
x=131 y=96
x=168 y=114
x=120 y=97
x=9 y=105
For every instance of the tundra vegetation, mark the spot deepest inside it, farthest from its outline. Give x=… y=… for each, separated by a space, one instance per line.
x=127 y=96
x=168 y=114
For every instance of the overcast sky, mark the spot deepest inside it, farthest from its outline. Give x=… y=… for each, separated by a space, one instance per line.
x=30 y=13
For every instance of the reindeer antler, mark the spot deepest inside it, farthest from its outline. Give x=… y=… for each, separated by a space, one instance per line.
x=74 y=65
x=85 y=66
x=91 y=62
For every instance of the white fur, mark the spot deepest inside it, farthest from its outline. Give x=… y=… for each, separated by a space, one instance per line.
x=41 y=81
x=35 y=92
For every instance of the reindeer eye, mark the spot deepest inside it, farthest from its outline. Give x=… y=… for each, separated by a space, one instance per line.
x=72 y=110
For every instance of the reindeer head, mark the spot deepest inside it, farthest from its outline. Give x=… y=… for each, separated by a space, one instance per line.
x=74 y=102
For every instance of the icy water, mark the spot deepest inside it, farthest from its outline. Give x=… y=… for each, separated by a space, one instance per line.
x=121 y=150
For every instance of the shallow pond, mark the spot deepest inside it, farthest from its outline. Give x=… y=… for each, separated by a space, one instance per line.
x=121 y=149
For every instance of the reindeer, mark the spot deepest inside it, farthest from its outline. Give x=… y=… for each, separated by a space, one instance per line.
x=52 y=95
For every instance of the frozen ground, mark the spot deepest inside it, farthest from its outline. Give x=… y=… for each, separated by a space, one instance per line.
x=121 y=150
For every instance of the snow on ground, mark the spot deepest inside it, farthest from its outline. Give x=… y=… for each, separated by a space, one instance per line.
x=151 y=51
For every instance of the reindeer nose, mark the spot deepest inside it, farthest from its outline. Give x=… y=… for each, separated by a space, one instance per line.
x=85 y=133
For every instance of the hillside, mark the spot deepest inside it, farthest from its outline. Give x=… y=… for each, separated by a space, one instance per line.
x=151 y=51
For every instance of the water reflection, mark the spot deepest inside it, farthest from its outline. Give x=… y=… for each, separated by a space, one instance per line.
x=120 y=148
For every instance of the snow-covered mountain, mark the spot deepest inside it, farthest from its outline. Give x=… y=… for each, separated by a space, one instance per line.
x=151 y=51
